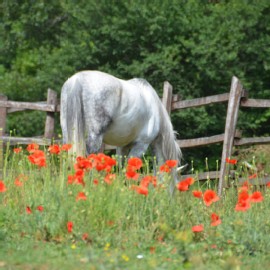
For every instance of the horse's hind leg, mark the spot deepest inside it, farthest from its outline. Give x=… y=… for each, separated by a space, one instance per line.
x=138 y=149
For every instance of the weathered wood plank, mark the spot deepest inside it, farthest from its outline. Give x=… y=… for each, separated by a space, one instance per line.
x=25 y=140
x=27 y=105
x=197 y=102
x=205 y=140
x=50 y=118
x=256 y=103
x=230 y=128
x=212 y=175
x=167 y=96
x=254 y=140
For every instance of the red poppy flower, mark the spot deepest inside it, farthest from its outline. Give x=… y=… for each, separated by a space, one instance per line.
x=209 y=197
x=66 y=147
x=182 y=186
x=40 y=208
x=109 y=178
x=197 y=193
x=172 y=163
x=189 y=180
x=254 y=175
x=256 y=197
x=54 y=149
x=198 y=228
x=243 y=205
x=243 y=195
x=81 y=196
x=38 y=158
x=85 y=236
x=69 y=226
x=17 y=150
x=28 y=210
x=215 y=219
x=95 y=182
x=18 y=183
x=164 y=168
x=140 y=190
x=2 y=186
x=32 y=147
x=231 y=161
x=131 y=173
x=268 y=184
x=149 y=179
x=135 y=162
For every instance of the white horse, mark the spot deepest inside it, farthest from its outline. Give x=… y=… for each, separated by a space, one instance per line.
x=97 y=107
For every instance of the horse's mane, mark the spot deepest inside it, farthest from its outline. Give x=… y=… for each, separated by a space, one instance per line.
x=167 y=135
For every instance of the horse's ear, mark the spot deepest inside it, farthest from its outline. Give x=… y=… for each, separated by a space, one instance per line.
x=181 y=168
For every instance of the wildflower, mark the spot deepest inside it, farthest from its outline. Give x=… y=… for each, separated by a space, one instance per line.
x=18 y=183
x=198 y=228
x=243 y=196
x=171 y=163
x=83 y=164
x=2 y=186
x=254 y=175
x=152 y=250
x=38 y=158
x=243 y=206
x=71 y=179
x=69 y=226
x=197 y=193
x=256 y=197
x=81 y=196
x=149 y=179
x=109 y=178
x=66 y=147
x=40 y=208
x=125 y=257
x=164 y=168
x=32 y=147
x=209 y=197
x=231 y=161
x=54 y=149
x=85 y=236
x=131 y=173
x=184 y=184
x=268 y=184
x=28 y=210
x=140 y=189
x=17 y=150
x=95 y=182
x=135 y=163
x=215 y=219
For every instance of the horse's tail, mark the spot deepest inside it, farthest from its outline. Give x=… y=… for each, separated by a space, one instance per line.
x=169 y=145
x=72 y=120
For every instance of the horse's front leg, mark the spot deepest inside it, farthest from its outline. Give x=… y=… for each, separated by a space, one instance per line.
x=93 y=143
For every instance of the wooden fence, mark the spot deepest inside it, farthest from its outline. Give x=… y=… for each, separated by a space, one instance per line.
x=236 y=98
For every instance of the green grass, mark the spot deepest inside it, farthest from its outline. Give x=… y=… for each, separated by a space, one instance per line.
x=126 y=230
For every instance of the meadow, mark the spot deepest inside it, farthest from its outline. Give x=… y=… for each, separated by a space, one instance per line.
x=91 y=213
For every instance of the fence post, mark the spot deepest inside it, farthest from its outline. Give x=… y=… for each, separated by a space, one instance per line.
x=50 y=119
x=230 y=127
x=3 y=116
x=167 y=96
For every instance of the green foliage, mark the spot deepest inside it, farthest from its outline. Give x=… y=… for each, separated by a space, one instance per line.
x=196 y=45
